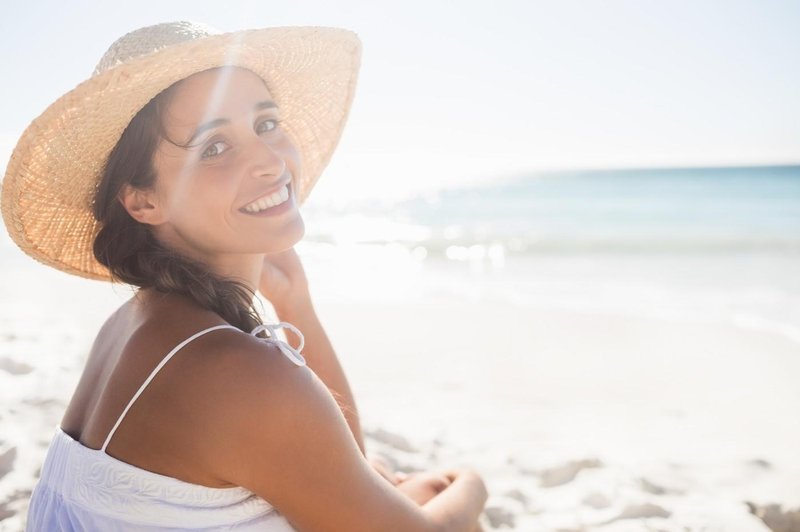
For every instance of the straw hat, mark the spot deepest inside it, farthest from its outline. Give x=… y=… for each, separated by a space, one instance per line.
x=54 y=170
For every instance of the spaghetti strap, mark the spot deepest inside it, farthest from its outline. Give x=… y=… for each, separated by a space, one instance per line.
x=153 y=374
x=290 y=352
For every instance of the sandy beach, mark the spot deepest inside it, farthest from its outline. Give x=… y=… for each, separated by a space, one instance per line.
x=555 y=242
x=577 y=420
x=573 y=439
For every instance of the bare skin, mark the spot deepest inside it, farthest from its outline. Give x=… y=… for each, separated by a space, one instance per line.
x=229 y=409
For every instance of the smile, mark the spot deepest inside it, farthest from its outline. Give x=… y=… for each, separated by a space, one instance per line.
x=265 y=202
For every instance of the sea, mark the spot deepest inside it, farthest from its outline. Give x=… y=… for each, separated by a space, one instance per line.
x=698 y=244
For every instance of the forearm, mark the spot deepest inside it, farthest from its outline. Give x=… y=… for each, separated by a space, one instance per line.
x=321 y=358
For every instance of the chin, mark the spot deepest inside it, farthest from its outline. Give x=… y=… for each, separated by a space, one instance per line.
x=288 y=237
x=299 y=227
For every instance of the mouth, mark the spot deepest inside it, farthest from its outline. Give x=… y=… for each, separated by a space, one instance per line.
x=269 y=202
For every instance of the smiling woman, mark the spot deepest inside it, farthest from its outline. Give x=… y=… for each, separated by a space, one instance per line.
x=210 y=200
x=179 y=168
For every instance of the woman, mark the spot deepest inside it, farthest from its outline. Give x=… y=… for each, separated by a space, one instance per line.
x=178 y=168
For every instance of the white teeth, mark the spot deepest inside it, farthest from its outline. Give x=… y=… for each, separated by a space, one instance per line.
x=276 y=198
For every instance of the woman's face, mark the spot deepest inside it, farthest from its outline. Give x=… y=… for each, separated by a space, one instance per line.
x=225 y=194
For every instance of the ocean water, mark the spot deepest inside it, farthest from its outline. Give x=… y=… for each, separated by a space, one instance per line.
x=656 y=210
x=699 y=244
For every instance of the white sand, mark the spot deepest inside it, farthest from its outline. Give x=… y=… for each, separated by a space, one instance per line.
x=577 y=421
x=581 y=419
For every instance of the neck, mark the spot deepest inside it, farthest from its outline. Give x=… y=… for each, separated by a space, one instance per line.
x=245 y=268
x=242 y=267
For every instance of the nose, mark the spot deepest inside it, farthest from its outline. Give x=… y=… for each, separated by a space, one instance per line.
x=265 y=160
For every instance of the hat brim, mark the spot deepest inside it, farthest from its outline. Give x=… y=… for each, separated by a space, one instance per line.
x=53 y=173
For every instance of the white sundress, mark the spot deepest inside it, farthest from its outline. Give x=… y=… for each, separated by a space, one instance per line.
x=84 y=489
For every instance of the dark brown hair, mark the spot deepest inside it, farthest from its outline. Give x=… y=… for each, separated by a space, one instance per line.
x=129 y=248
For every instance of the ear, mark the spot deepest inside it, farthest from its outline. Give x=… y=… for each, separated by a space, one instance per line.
x=142 y=205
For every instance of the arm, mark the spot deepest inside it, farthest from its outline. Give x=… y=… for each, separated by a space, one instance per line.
x=275 y=429
x=322 y=359
x=283 y=281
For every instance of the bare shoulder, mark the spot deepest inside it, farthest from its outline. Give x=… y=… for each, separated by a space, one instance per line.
x=239 y=384
x=237 y=366
x=275 y=429
x=251 y=387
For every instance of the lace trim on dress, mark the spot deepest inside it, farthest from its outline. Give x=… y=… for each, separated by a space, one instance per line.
x=99 y=482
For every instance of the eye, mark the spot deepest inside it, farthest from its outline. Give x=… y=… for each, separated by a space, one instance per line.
x=214 y=149
x=270 y=124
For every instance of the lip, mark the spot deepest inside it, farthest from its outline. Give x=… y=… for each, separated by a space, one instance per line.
x=281 y=184
x=275 y=210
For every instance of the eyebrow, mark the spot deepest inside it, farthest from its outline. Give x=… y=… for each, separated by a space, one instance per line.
x=266 y=104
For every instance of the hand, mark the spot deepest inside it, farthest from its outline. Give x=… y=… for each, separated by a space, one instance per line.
x=283 y=278
x=382 y=466
x=424 y=486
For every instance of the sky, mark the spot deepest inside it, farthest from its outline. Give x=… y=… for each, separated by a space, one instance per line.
x=452 y=92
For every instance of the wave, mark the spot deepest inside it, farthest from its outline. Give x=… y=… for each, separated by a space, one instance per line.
x=754 y=209
x=484 y=248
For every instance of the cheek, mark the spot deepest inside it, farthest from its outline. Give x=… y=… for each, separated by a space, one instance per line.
x=198 y=205
x=295 y=163
x=289 y=151
x=212 y=203
x=213 y=184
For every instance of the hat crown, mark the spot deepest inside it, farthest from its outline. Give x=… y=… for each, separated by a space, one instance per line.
x=149 y=39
